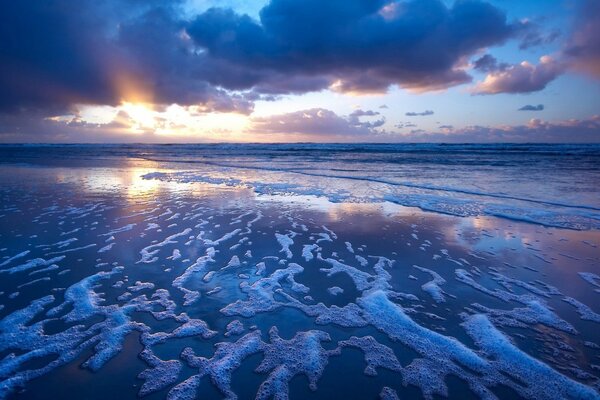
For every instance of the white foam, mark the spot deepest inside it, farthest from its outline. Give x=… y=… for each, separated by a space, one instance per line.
x=376 y=354
x=349 y=247
x=125 y=228
x=589 y=277
x=160 y=375
x=285 y=241
x=388 y=393
x=361 y=260
x=175 y=256
x=225 y=237
x=47 y=269
x=361 y=279
x=198 y=267
x=152 y=226
x=209 y=275
x=539 y=380
x=227 y=358
x=284 y=359
x=261 y=293
x=106 y=248
x=260 y=268
x=443 y=355
x=72 y=250
x=583 y=310
x=35 y=263
x=307 y=251
x=33 y=282
x=433 y=287
x=148 y=252
x=138 y=286
x=214 y=290
x=335 y=290
x=234 y=262
x=15 y=257
x=536 y=312
x=234 y=328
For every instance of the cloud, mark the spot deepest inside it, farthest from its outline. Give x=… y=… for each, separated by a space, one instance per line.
x=583 y=46
x=354 y=119
x=324 y=126
x=91 y=52
x=55 y=56
x=535 y=131
x=316 y=123
x=529 y=107
x=359 y=46
x=402 y=125
x=489 y=63
x=126 y=123
x=419 y=114
x=521 y=78
x=533 y=35
x=362 y=113
x=581 y=52
x=43 y=61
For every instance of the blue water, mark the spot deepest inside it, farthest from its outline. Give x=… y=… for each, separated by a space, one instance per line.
x=553 y=185
x=211 y=271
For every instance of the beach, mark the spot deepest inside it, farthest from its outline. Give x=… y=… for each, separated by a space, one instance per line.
x=299 y=271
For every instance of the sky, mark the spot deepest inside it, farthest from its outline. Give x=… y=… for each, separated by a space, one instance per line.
x=187 y=71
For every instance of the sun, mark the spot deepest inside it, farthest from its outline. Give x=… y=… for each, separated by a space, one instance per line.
x=168 y=122
x=142 y=116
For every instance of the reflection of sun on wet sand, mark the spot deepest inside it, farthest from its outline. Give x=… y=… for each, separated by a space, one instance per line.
x=181 y=279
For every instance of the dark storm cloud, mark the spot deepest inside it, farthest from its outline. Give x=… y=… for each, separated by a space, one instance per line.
x=45 y=55
x=56 y=54
x=363 y=45
x=60 y=53
x=529 y=107
x=419 y=114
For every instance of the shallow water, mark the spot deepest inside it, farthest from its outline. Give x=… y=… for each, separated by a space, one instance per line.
x=462 y=272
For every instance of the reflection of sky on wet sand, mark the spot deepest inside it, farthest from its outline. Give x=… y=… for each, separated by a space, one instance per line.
x=334 y=210
x=128 y=181
x=474 y=233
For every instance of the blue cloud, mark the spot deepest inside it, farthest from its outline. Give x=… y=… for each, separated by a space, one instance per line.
x=529 y=107
x=360 y=45
x=54 y=55
x=419 y=114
